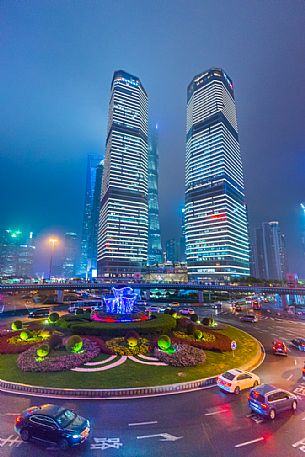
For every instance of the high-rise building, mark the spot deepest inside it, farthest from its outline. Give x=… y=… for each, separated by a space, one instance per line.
x=216 y=227
x=270 y=252
x=154 y=235
x=16 y=254
x=172 y=250
x=70 y=255
x=91 y=214
x=123 y=223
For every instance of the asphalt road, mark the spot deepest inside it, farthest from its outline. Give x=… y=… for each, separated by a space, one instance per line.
x=206 y=422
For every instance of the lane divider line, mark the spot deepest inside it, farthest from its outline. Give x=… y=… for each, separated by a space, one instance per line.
x=135 y=424
x=249 y=442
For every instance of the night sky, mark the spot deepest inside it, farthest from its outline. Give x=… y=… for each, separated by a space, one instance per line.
x=57 y=59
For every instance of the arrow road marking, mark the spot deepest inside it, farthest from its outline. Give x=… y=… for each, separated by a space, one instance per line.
x=164 y=437
x=249 y=442
x=134 y=424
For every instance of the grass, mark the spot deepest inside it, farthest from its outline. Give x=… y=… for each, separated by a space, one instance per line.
x=131 y=374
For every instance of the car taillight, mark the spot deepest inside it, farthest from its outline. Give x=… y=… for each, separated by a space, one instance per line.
x=227 y=384
x=249 y=398
x=18 y=419
x=273 y=347
x=264 y=406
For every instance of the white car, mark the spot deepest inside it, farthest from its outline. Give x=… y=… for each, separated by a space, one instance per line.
x=186 y=311
x=154 y=309
x=235 y=380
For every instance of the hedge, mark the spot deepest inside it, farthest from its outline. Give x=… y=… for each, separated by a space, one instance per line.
x=160 y=323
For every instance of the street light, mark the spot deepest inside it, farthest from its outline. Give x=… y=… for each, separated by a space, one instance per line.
x=52 y=242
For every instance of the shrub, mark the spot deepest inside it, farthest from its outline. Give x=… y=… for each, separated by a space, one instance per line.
x=167 y=311
x=27 y=360
x=25 y=335
x=197 y=334
x=171 y=312
x=53 y=318
x=206 y=321
x=184 y=356
x=45 y=334
x=131 y=334
x=43 y=350
x=119 y=347
x=79 y=311
x=164 y=342
x=211 y=340
x=55 y=341
x=191 y=327
x=183 y=323
x=74 y=344
x=16 y=325
x=132 y=342
x=194 y=317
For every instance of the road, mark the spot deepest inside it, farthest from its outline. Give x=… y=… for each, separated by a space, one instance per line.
x=206 y=422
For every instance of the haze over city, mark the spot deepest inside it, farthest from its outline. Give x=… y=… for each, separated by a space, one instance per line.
x=58 y=60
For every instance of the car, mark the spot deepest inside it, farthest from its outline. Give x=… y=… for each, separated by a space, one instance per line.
x=217 y=305
x=235 y=380
x=279 y=348
x=186 y=311
x=174 y=304
x=248 y=318
x=39 y=313
x=299 y=343
x=237 y=308
x=154 y=309
x=52 y=424
x=267 y=400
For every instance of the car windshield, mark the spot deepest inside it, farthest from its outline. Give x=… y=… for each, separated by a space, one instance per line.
x=228 y=375
x=65 y=417
x=257 y=396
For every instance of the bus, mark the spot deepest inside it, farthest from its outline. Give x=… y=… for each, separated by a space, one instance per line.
x=86 y=304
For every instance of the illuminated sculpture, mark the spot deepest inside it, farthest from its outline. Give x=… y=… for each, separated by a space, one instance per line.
x=122 y=302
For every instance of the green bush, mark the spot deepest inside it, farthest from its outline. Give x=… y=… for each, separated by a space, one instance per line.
x=55 y=341
x=25 y=335
x=74 y=344
x=78 y=325
x=164 y=342
x=207 y=321
x=191 y=327
x=197 y=334
x=43 y=350
x=16 y=325
x=132 y=342
x=194 y=317
x=53 y=318
x=79 y=311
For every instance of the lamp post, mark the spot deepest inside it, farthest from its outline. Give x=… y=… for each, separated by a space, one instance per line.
x=52 y=242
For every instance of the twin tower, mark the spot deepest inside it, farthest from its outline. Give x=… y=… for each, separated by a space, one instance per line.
x=216 y=229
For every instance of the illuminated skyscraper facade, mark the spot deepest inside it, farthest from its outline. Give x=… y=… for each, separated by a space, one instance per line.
x=154 y=236
x=123 y=222
x=216 y=228
x=17 y=252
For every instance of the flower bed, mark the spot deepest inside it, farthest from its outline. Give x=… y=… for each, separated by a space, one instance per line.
x=184 y=356
x=10 y=342
x=120 y=347
x=28 y=360
x=210 y=341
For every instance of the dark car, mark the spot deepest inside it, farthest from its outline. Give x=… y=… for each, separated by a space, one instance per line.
x=248 y=318
x=52 y=424
x=279 y=348
x=238 y=308
x=267 y=400
x=39 y=313
x=299 y=343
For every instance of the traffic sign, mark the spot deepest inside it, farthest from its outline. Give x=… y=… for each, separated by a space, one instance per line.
x=233 y=345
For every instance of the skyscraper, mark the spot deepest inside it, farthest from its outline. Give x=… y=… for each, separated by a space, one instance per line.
x=270 y=252
x=91 y=213
x=123 y=223
x=216 y=227
x=70 y=255
x=16 y=254
x=154 y=236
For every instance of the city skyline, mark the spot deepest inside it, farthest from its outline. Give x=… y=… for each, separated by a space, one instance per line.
x=58 y=139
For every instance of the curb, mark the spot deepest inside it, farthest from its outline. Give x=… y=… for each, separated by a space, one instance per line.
x=123 y=394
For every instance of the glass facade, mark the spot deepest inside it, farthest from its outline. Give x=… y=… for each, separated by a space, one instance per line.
x=17 y=252
x=216 y=228
x=154 y=236
x=91 y=213
x=123 y=222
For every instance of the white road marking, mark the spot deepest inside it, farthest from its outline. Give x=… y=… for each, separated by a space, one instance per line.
x=164 y=437
x=290 y=377
x=295 y=362
x=250 y=442
x=134 y=424
x=216 y=412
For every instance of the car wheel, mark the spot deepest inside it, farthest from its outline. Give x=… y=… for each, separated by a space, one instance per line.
x=294 y=405
x=272 y=414
x=255 y=383
x=63 y=444
x=237 y=390
x=25 y=435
